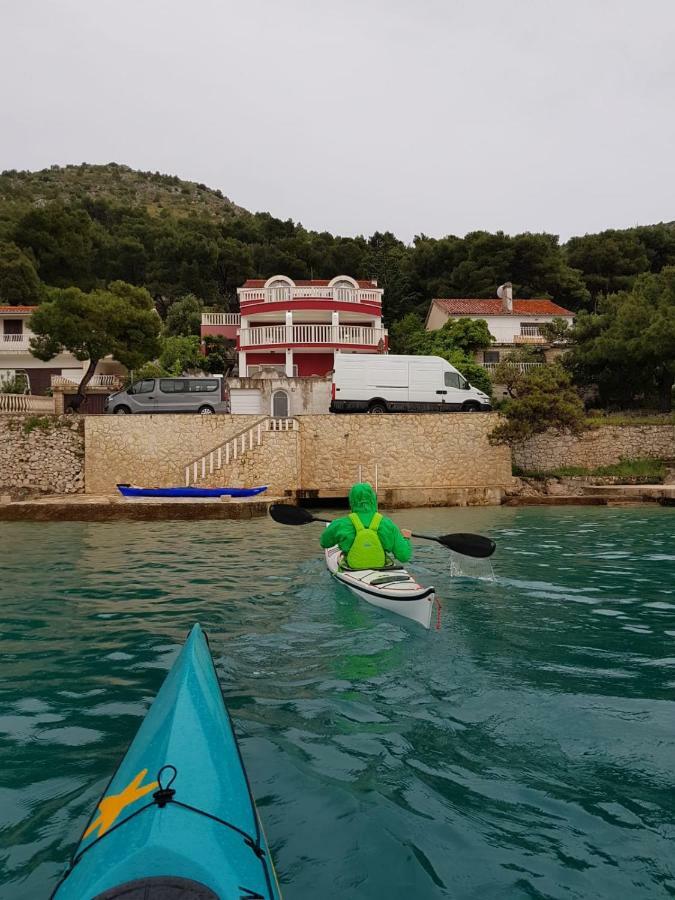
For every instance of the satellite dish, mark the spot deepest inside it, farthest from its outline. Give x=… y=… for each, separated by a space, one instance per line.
x=502 y=289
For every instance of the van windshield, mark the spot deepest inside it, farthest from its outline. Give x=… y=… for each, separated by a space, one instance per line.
x=143 y=387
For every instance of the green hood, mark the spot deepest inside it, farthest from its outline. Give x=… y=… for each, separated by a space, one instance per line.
x=362 y=499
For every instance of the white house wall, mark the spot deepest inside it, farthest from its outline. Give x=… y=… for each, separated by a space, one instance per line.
x=502 y=328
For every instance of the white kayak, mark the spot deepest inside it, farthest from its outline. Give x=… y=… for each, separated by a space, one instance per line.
x=392 y=588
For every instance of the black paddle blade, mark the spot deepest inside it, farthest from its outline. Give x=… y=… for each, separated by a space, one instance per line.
x=468 y=544
x=290 y=515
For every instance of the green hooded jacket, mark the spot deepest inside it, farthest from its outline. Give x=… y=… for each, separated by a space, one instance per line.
x=363 y=502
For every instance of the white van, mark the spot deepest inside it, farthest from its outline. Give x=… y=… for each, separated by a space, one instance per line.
x=381 y=383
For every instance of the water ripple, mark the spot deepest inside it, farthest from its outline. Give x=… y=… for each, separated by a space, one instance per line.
x=525 y=750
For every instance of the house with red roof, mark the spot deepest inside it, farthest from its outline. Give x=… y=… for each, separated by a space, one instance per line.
x=297 y=326
x=512 y=322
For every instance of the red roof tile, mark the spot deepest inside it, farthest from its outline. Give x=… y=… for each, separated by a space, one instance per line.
x=313 y=282
x=464 y=307
x=16 y=309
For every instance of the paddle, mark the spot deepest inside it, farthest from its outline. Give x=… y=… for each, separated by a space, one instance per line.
x=467 y=544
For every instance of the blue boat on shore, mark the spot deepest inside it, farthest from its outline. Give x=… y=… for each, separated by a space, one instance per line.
x=131 y=490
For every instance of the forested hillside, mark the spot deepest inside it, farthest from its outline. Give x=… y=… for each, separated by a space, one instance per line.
x=89 y=225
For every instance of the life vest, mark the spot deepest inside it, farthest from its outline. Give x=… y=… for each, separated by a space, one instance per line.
x=367 y=551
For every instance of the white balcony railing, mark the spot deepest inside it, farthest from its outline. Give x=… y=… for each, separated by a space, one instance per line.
x=286 y=294
x=25 y=403
x=268 y=335
x=521 y=366
x=14 y=343
x=111 y=381
x=219 y=318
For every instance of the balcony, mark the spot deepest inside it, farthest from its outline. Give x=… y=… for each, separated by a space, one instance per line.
x=113 y=382
x=328 y=295
x=529 y=334
x=520 y=366
x=326 y=335
x=220 y=318
x=15 y=343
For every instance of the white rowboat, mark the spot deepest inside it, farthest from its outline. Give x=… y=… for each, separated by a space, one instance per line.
x=393 y=589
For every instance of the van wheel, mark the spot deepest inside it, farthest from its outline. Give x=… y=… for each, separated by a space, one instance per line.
x=377 y=408
x=205 y=411
x=122 y=411
x=471 y=407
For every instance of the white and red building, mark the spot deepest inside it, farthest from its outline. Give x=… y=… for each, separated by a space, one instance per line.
x=512 y=322
x=298 y=326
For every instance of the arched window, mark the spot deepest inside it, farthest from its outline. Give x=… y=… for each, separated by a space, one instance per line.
x=280 y=405
x=344 y=289
x=279 y=288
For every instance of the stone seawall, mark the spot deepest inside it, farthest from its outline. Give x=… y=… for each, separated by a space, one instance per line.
x=151 y=450
x=41 y=454
x=410 y=451
x=602 y=446
x=427 y=459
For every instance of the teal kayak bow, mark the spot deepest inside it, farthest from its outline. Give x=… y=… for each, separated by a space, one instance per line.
x=177 y=818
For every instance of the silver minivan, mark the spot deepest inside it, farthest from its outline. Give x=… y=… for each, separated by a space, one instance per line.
x=169 y=395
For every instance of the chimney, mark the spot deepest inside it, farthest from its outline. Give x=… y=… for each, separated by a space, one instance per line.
x=505 y=293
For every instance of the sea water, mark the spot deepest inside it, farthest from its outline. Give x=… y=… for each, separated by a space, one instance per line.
x=525 y=750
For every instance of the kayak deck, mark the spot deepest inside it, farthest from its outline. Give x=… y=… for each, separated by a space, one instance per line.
x=392 y=588
x=179 y=806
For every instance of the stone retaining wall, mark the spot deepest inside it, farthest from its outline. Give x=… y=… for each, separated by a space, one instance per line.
x=41 y=454
x=411 y=451
x=151 y=450
x=275 y=462
x=602 y=446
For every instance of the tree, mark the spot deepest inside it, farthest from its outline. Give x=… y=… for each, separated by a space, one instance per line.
x=609 y=261
x=406 y=334
x=184 y=316
x=19 y=282
x=557 y=331
x=64 y=241
x=509 y=370
x=179 y=354
x=467 y=335
x=221 y=354
x=119 y=321
x=542 y=399
x=627 y=348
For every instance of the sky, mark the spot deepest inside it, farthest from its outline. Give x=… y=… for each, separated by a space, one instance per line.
x=351 y=116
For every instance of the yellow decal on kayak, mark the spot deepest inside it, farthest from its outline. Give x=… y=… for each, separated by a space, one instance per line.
x=110 y=807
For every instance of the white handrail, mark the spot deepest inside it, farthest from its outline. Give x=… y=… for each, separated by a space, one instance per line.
x=235 y=447
x=216 y=318
x=23 y=403
x=286 y=294
x=521 y=366
x=267 y=335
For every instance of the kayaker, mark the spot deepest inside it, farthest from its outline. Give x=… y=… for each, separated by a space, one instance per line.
x=365 y=536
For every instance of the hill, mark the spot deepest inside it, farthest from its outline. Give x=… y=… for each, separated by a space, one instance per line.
x=120 y=185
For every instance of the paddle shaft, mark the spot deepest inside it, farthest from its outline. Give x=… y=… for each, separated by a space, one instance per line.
x=425 y=537
x=467 y=544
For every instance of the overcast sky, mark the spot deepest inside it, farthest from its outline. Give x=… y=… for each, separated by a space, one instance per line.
x=433 y=116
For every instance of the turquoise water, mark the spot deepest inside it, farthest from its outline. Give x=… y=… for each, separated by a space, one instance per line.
x=525 y=750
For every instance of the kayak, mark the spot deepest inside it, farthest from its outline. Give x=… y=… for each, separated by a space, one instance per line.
x=178 y=818
x=130 y=490
x=392 y=588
